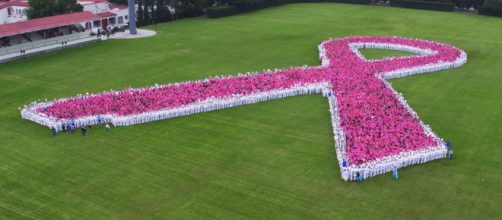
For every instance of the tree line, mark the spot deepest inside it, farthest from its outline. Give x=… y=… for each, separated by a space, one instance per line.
x=156 y=11
x=149 y=11
x=44 y=8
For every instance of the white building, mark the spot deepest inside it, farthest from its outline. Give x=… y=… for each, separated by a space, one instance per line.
x=26 y=38
x=22 y=37
x=111 y=15
x=94 y=6
x=13 y=11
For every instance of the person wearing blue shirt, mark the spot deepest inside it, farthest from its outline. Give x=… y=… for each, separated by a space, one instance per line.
x=359 y=177
x=84 y=130
x=68 y=126
x=73 y=126
x=53 y=131
x=395 y=174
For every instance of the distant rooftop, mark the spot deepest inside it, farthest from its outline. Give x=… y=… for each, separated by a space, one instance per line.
x=7 y=3
x=46 y=23
x=106 y=14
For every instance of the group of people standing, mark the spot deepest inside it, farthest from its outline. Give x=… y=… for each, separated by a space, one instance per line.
x=72 y=128
x=395 y=173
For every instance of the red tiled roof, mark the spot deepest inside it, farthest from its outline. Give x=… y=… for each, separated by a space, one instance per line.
x=46 y=23
x=6 y=4
x=106 y=14
x=93 y=1
x=119 y=7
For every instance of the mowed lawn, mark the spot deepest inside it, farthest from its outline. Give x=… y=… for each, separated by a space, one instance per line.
x=272 y=160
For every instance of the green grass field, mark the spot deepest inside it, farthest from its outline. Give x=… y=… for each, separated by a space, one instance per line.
x=272 y=160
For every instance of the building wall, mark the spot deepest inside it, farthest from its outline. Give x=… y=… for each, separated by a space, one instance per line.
x=124 y=14
x=18 y=13
x=3 y=16
x=95 y=7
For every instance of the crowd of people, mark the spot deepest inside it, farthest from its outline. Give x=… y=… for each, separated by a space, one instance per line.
x=69 y=126
x=375 y=129
x=378 y=131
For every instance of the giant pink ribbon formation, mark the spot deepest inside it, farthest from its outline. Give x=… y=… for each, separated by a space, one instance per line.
x=375 y=130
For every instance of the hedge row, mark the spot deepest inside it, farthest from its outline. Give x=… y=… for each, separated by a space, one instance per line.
x=365 y=2
x=492 y=7
x=467 y=3
x=436 y=6
x=490 y=11
x=221 y=11
x=266 y=4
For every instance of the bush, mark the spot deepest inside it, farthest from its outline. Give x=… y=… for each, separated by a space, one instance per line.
x=280 y=2
x=436 y=6
x=492 y=7
x=364 y=2
x=221 y=11
x=440 y=1
x=490 y=12
x=493 y=4
x=250 y=5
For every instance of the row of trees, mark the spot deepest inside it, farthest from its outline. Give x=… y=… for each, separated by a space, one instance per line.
x=44 y=8
x=155 y=11
x=152 y=11
x=149 y=11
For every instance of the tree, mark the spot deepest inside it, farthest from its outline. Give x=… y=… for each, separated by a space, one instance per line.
x=189 y=8
x=40 y=8
x=44 y=8
x=140 y=15
x=162 y=13
x=147 y=12
x=67 y=6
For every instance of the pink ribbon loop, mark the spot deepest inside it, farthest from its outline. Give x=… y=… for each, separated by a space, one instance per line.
x=372 y=122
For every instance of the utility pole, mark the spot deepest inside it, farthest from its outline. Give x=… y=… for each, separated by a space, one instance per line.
x=132 y=17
